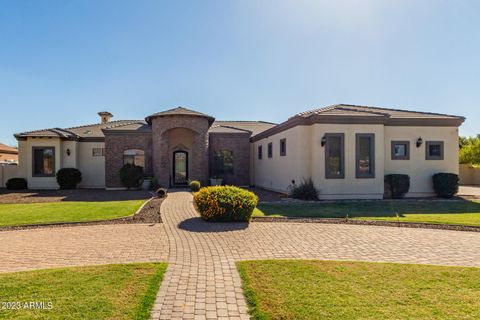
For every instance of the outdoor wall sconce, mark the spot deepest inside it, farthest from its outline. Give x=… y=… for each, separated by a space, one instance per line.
x=68 y=152
x=324 y=141
x=419 y=142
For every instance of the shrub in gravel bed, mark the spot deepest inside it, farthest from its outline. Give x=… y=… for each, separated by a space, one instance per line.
x=16 y=184
x=225 y=203
x=445 y=184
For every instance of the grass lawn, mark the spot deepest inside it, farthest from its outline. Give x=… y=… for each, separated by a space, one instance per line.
x=288 y=289
x=444 y=212
x=124 y=291
x=38 y=213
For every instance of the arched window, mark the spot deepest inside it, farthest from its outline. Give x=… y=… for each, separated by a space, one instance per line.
x=134 y=156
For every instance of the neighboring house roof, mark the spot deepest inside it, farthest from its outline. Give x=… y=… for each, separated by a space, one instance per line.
x=355 y=114
x=7 y=149
x=179 y=111
x=132 y=127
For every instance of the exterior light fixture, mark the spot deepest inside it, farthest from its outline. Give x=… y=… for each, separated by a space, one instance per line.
x=68 y=152
x=324 y=141
x=419 y=142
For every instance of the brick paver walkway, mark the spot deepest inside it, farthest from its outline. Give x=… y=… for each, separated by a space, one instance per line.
x=201 y=280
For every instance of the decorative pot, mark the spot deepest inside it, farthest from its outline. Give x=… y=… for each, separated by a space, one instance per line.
x=216 y=182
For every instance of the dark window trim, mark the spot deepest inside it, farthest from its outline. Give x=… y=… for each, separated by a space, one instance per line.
x=427 y=147
x=283 y=152
x=260 y=152
x=342 y=154
x=270 y=150
x=407 y=149
x=102 y=152
x=54 y=161
x=358 y=174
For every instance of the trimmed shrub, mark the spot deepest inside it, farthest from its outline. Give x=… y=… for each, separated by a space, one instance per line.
x=16 y=184
x=305 y=191
x=131 y=175
x=225 y=203
x=161 y=193
x=397 y=185
x=445 y=184
x=68 y=178
x=194 y=185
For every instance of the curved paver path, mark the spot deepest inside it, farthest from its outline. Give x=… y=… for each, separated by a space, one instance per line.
x=202 y=281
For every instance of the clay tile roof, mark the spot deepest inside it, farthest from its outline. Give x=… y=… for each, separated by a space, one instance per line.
x=7 y=149
x=357 y=110
x=254 y=127
x=179 y=111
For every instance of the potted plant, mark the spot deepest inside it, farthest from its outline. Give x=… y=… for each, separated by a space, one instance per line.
x=216 y=180
x=147 y=183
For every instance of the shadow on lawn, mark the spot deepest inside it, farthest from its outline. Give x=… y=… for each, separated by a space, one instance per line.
x=340 y=209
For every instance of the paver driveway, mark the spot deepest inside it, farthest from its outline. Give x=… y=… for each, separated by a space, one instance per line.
x=201 y=280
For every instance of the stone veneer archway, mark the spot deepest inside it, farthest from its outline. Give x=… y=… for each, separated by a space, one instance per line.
x=163 y=131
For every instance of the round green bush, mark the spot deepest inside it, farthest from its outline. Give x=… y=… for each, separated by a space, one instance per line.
x=16 y=184
x=161 y=193
x=225 y=203
x=68 y=178
x=445 y=184
x=194 y=185
x=397 y=185
x=131 y=175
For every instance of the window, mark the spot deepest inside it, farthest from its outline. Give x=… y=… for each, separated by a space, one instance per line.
x=98 y=152
x=434 y=150
x=134 y=156
x=260 y=153
x=365 y=155
x=334 y=156
x=43 y=161
x=400 y=150
x=270 y=150
x=283 y=147
x=223 y=162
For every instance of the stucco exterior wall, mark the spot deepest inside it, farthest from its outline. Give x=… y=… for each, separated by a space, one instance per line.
x=92 y=168
x=418 y=168
x=305 y=158
x=26 y=164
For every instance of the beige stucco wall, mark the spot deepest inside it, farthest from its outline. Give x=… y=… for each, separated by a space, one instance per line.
x=92 y=168
x=469 y=175
x=306 y=158
x=418 y=168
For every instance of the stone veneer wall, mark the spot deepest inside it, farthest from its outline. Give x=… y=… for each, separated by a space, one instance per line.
x=162 y=157
x=239 y=143
x=115 y=144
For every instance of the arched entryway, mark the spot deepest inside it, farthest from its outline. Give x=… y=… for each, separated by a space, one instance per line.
x=180 y=167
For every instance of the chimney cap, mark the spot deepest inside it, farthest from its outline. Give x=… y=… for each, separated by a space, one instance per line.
x=105 y=113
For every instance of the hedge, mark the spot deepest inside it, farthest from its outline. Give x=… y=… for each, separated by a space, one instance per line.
x=397 y=184
x=445 y=184
x=16 y=184
x=225 y=203
x=68 y=178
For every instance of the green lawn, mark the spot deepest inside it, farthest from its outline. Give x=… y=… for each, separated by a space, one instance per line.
x=444 y=212
x=358 y=290
x=98 y=292
x=38 y=213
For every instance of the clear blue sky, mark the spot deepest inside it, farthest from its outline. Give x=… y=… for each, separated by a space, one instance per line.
x=63 y=61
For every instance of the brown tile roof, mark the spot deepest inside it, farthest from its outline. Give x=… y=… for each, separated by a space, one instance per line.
x=86 y=131
x=356 y=110
x=255 y=127
x=138 y=126
x=7 y=149
x=179 y=111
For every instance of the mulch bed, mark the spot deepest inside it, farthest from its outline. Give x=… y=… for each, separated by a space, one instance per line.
x=370 y=223
x=149 y=213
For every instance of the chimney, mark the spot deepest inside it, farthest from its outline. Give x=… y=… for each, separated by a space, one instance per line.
x=105 y=116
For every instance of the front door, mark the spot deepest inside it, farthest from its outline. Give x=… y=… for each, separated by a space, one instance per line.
x=180 y=167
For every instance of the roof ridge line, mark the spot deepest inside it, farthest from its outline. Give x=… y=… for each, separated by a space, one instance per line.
x=403 y=110
x=231 y=127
